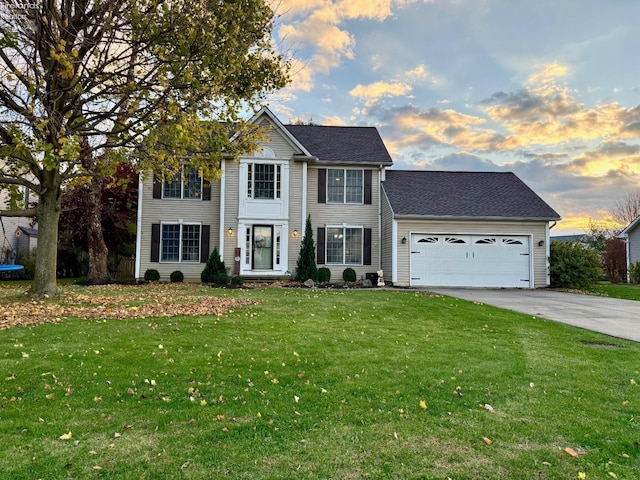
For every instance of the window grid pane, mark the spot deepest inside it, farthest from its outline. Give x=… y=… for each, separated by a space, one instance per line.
x=264 y=181
x=191 y=243
x=171 y=243
x=173 y=189
x=353 y=246
x=278 y=180
x=335 y=243
x=193 y=184
x=250 y=180
x=335 y=186
x=353 y=189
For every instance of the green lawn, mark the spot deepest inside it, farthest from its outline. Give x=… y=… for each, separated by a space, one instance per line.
x=617 y=290
x=341 y=384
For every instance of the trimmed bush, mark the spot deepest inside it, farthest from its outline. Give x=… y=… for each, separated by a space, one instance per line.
x=573 y=265
x=349 y=275
x=324 y=274
x=634 y=273
x=215 y=271
x=176 y=276
x=237 y=281
x=152 y=275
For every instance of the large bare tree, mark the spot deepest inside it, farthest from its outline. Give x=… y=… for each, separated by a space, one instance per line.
x=625 y=209
x=89 y=79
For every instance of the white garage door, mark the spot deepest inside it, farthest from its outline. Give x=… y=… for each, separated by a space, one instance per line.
x=470 y=260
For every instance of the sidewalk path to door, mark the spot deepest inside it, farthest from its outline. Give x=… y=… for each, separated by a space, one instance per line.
x=611 y=316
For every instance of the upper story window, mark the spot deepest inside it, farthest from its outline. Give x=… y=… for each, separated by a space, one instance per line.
x=345 y=186
x=264 y=181
x=188 y=184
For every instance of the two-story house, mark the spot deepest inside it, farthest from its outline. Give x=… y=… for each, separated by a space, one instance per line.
x=364 y=215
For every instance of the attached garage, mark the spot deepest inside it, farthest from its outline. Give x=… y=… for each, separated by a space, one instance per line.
x=464 y=229
x=454 y=260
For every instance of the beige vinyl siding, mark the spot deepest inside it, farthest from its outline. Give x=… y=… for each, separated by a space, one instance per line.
x=387 y=239
x=537 y=230
x=366 y=216
x=276 y=141
x=155 y=210
x=296 y=222
x=232 y=197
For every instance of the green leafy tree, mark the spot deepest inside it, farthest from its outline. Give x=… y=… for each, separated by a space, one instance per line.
x=306 y=267
x=124 y=81
x=215 y=270
x=573 y=265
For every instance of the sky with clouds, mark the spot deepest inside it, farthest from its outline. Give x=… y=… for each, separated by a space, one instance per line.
x=547 y=89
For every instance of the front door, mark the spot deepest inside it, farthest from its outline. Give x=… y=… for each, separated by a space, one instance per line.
x=262 y=247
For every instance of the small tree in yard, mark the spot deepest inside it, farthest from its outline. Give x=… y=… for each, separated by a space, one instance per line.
x=573 y=265
x=215 y=271
x=614 y=260
x=306 y=267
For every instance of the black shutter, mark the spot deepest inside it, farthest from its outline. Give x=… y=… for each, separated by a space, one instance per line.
x=320 y=246
x=157 y=187
x=204 y=243
x=155 y=242
x=367 y=247
x=322 y=185
x=367 y=187
x=206 y=190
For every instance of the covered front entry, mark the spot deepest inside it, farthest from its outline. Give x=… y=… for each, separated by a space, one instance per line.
x=471 y=260
x=262 y=247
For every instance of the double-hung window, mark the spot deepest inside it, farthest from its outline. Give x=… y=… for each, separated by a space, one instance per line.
x=344 y=245
x=180 y=242
x=264 y=181
x=186 y=184
x=345 y=186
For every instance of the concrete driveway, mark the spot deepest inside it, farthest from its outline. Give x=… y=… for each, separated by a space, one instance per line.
x=611 y=316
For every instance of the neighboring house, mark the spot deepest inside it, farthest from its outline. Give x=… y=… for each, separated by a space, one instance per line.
x=17 y=236
x=475 y=229
x=631 y=236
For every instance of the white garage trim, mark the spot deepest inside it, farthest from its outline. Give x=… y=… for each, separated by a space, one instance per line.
x=471 y=260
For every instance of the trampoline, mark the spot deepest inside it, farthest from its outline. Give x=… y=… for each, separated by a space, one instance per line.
x=10 y=268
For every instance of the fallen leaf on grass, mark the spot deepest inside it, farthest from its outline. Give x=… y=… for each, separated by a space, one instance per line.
x=572 y=452
x=423 y=404
x=582 y=475
x=612 y=475
x=486 y=440
x=65 y=436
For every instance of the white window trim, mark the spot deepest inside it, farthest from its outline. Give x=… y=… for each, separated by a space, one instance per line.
x=278 y=172
x=344 y=187
x=343 y=228
x=181 y=223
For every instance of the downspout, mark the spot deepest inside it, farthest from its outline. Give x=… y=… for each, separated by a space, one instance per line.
x=380 y=179
x=303 y=221
x=136 y=273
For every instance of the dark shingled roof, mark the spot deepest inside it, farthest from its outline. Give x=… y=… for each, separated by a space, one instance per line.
x=342 y=144
x=425 y=193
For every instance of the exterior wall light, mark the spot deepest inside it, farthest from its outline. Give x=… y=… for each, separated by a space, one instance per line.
x=295 y=233
x=541 y=243
x=230 y=231
x=404 y=240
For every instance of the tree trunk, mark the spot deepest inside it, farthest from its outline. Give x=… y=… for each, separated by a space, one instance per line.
x=48 y=211
x=98 y=272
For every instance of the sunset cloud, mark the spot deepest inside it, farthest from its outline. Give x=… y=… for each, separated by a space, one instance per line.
x=373 y=92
